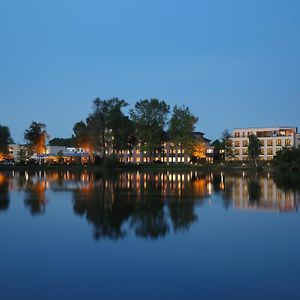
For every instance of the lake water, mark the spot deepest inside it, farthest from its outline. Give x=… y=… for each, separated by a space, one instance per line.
x=148 y=236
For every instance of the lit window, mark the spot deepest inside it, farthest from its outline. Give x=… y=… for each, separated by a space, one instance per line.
x=245 y=143
x=288 y=142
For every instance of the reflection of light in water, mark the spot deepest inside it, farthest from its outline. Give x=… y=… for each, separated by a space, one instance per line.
x=268 y=175
x=26 y=176
x=209 y=188
x=243 y=174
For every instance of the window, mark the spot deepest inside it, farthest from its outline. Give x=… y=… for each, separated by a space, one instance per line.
x=278 y=142
x=262 y=151
x=245 y=151
x=288 y=142
x=245 y=143
x=262 y=142
x=237 y=143
x=270 y=151
x=237 y=152
x=270 y=142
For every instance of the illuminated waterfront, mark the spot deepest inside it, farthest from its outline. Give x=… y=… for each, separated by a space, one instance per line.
x=152 y=235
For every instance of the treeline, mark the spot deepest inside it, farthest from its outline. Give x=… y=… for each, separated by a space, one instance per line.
x=108 y=129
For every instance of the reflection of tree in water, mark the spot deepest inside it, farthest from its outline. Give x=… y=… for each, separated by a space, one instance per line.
x=254 y=190
x=149 y=219
x=103 y=209
x=228 y=190
x=4 y=193
x=182 y=213
x=287 y=181
x=35 y=198
x=110 y=205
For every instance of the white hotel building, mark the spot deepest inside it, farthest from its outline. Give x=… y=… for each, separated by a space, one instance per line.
x=272 y=140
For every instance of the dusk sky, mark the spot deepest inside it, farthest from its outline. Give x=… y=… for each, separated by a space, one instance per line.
x=234 y=63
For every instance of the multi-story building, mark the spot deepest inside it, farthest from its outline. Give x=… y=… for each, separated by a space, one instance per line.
x=272 y=139
x=170 y=153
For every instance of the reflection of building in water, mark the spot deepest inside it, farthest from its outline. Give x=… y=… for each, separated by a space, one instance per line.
x=260 y=193
x=167 y=184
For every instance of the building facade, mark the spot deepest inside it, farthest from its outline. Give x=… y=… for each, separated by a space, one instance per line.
x=171 y=153
x=272 y=140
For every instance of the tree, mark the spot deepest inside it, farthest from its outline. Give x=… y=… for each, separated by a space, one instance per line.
x=218 y=150
x=121 y=127
x=5 y=140
x=81 y=136
x=181 y=127
x=227 y=144
x=150 y=118
x=254 y=148
x=97 y=126
x=36 y=137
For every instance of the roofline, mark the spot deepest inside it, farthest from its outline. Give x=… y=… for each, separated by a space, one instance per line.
x=267 y=127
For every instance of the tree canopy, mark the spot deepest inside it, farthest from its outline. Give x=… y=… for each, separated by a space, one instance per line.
x=36 y=136
x=254 y=148
x=5 y=140
x=150 y=118
x=181 y=127
x=227 y=144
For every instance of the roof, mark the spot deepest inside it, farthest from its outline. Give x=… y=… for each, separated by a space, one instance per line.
x=266 y=127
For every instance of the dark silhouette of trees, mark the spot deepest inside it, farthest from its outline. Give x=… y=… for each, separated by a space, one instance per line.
x=35 y=197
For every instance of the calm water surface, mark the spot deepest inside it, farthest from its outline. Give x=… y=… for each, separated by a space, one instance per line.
x=148 y=236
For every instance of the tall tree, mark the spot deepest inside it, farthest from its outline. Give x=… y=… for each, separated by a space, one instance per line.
x=254 y=148
x=120 y=126
x=81 y=136
x=227 y=144
x=97 y=126
x=109 y=129
x=36 y=137
x=150 y=117
x=5 y=140
x=181 y=127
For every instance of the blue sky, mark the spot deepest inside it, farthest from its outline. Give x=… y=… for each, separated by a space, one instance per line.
x=234 y=63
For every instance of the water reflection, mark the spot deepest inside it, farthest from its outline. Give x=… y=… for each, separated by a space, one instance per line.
x=147 y=205
x=4 y=192
x=253 y=192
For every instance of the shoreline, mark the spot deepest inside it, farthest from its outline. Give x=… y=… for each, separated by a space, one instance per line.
x=142 y=167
